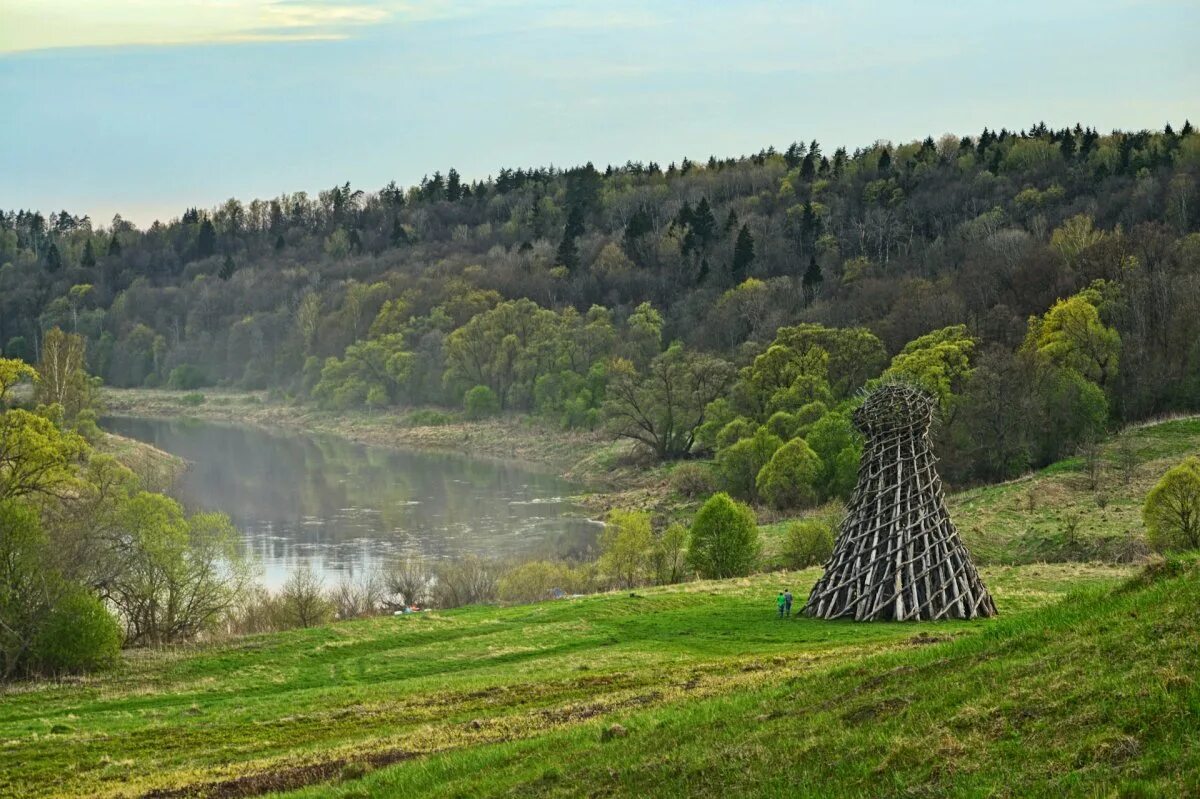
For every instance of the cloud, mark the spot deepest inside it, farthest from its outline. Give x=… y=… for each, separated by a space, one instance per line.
x=52 y=24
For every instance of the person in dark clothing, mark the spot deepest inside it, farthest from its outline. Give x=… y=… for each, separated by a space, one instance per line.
x=787 y=601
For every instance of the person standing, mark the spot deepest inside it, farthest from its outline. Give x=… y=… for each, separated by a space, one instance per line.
x=787 y=601
x=781 y=603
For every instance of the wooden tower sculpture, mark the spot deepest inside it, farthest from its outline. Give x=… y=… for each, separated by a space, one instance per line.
x=898 y=556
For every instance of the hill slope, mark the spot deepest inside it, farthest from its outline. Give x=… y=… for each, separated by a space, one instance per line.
x=390 y=688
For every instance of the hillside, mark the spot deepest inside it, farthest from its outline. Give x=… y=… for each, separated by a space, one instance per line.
x=389 y=688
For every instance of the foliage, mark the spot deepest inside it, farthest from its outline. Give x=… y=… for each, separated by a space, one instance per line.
x=740 y=463
x=939 y=362
x=625 y=546
x=536 y=580
x=663 y=407
x=668 y=557
x=1071 y=335
x=79 y=635
x=723 y=540
x=480 y=402
x=187 y=377
x=808 y=543
x=790 y=478
x=1172 y=509
x=693 y=480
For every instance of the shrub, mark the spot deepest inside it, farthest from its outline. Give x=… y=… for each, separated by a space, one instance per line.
x=469 y=580
x=789 y=478
x=693 y=480
x=1172 y=509
x=480 y=402
x=807 y=543
x=668 y=558
x=186 y=377
x=192 y=400
x=428 y=417
x=78 y=635
x=724 y=538
x=409 y=579
x=536 y=580
x=740 y=463
x=625 y=545
x=302 y=601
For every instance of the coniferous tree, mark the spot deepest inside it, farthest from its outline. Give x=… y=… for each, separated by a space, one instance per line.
x=454 y=187
x=812 y=279
x=206 y=240
x=114 y=246
x=227 y=268
x=730 y=222
x=1066 y=145
x=89 y=255
x=885 y=161
x=53 y=258
x=279 y=242
x=1187 y=129
x=743 y=253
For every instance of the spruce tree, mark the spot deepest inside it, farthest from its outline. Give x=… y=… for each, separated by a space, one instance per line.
x=89 y=255
x=454 y=188
x=54 y=258
x=743 y=253
x=812 y=279
x=114 y=246
x=227 y=268
x=399 y=234
x=279 y=242
x=206 y=240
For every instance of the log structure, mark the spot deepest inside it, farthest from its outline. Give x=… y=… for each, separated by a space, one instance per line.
x=898 y=555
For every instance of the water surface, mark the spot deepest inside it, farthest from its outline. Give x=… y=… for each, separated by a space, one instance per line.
x=342 y=507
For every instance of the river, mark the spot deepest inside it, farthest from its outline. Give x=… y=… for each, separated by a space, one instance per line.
x=343 y=507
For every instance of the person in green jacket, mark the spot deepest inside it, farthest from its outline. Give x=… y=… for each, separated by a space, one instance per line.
x=781 y=603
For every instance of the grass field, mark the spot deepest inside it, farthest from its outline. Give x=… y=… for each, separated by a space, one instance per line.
x=373 y=691
x=1086 y=685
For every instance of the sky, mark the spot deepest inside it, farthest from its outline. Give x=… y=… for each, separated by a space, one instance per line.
x=148 y=107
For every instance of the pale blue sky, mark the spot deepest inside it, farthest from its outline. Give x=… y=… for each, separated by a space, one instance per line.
x=145 y=107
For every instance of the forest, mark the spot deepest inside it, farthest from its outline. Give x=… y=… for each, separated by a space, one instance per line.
x=1042 y=283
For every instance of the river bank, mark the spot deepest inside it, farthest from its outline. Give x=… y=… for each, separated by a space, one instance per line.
x=608 y=472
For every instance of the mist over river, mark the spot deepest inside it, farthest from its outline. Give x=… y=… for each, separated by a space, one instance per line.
x=343 y=507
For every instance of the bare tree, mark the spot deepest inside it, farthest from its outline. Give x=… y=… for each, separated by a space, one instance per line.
x=302 y=600
x=409 y=579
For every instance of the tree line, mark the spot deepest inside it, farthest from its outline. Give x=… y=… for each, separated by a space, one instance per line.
x=638 y=293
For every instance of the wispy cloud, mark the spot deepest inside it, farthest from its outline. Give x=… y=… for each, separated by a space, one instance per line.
x=52 y=24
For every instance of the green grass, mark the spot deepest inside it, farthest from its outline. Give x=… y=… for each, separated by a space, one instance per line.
x=1056 y=514
x=1085 y=685
x=453 y=681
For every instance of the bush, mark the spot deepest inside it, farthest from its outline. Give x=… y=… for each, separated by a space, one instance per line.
x=537 y=579
x=427 y=417
x=740 y=463
x=724 y=539
x=480 y=402
x=409 y=579
x=693 y=480
x=192 y=400
x=789 y=478
x=1172 y=509
x=625 y=546
x=807 y=543
x=186 y=377
x=79 y=635
x=668 y=558
x=469 y=580
x=302 y=600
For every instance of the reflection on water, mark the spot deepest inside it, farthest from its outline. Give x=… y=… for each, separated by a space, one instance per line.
x=342 y=506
